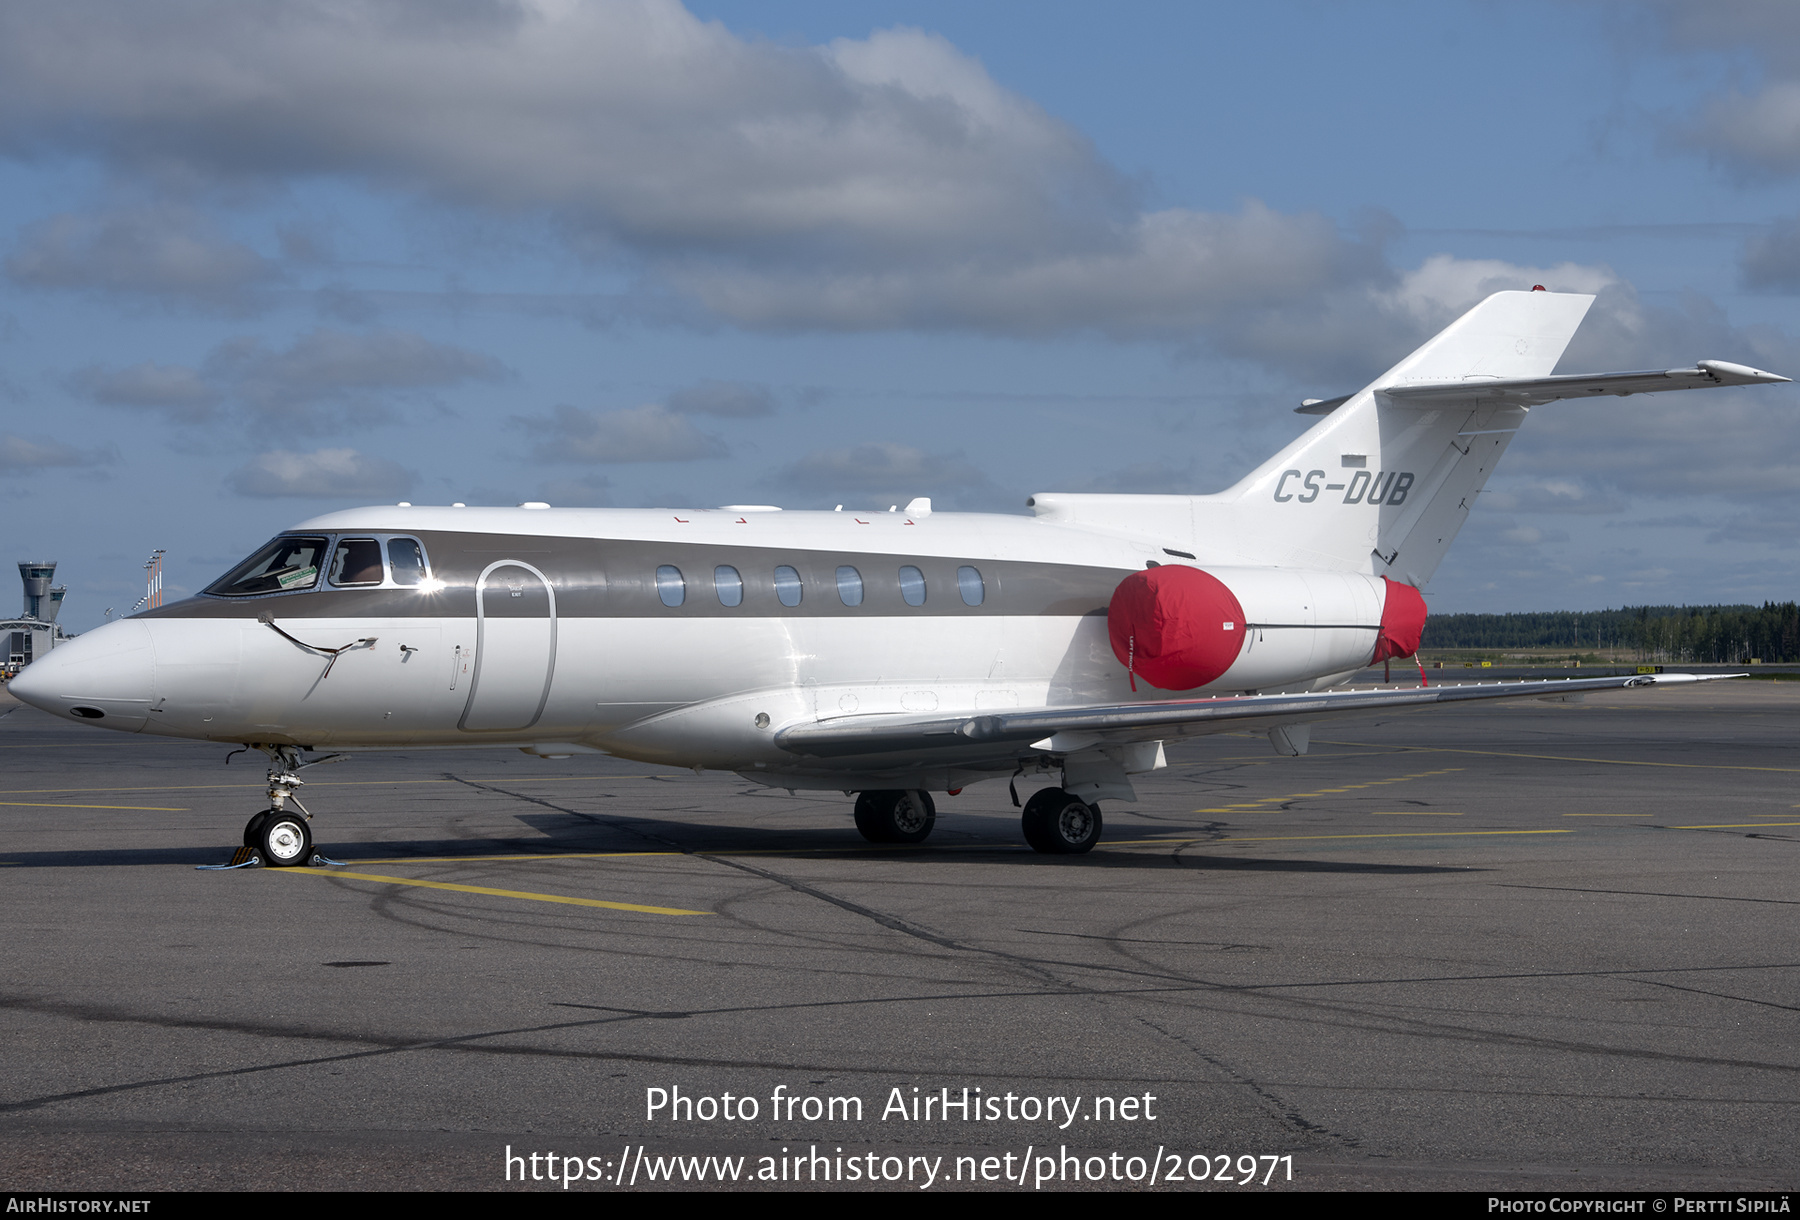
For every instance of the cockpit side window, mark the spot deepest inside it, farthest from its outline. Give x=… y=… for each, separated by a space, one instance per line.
x=286 y=565
x=356 y=561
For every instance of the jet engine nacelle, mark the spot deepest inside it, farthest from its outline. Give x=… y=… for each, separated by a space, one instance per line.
x=1184 y=628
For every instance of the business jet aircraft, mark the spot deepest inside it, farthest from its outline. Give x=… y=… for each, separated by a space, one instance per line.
x=890 y=654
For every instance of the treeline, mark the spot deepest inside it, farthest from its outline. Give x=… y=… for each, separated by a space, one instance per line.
x=1728 y=635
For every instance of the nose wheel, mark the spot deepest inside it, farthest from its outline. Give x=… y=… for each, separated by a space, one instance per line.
x=283 y=839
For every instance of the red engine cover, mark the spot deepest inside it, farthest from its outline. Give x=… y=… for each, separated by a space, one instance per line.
x=1175 y=627
x=1402 y=622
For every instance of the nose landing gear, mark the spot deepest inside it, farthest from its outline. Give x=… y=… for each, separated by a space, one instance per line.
x=281 y=838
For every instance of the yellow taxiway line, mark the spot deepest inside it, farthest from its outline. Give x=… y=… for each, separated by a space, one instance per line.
x=1255 y=805
x=323 y=783
x=493 y=893
x=1611 y=762
x=48 y=805
x=1733 y=825
x=559 y=855
x=1415 y=834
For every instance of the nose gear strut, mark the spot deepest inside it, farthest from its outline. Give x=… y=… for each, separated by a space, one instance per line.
x=277 y=836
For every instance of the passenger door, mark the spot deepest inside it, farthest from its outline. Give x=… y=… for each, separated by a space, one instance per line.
x=515 y=648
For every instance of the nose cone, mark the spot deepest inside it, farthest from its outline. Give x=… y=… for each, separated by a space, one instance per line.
x=101 y=677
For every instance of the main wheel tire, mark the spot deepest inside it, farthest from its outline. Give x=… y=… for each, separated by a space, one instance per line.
x=1059 y=823
x=901 y=815
x=869 y=821
x=253 y=828
x=285 y=840
x=912 y=816
x=870 y=814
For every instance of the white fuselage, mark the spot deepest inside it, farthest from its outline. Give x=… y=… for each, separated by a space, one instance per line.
x=551 y=631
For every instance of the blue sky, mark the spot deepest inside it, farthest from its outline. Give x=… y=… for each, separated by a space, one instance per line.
x=261 y=262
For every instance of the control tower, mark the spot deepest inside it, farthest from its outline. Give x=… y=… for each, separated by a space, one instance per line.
x=34 y=632
x=41 y=601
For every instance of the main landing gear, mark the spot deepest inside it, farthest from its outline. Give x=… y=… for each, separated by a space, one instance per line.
x=903 y=815
x=281 y=838
x=1055 y=822
x=1060 y=823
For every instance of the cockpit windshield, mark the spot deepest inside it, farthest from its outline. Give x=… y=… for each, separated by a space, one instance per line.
x=285 y=565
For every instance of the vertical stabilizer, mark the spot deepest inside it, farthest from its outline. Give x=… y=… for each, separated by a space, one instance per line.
x=1383 y=488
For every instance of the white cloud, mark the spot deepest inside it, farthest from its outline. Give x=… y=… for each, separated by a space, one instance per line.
x=1160 y=274
x=1752 y=130
x=182 y=392
x=1769 y=530
x=584 y=491
x=1736 y=443
x=327 y=364
x=22 y=455
x=634 y=434
x=321 y=474
x=877 y=183
x=1158 y=476
x=1569 y=496
x=169 y=252
x=1754 y=135
x=871 y=183
x=1348 y=335
x=1739 y=444
x=323 y=380
x=724 y=399
x=1771 y=260
x=884 y=473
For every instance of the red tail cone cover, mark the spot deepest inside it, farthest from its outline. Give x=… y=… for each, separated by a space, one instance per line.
x=1402 y=622
x=1175 y=627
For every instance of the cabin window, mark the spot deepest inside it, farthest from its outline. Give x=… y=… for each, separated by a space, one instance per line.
x=968 y=583
x=286 y=565
x=787 y=585
x=850 y=586
x=670 y=586
x=729 y=585
x=406 y=560
x=912 y=585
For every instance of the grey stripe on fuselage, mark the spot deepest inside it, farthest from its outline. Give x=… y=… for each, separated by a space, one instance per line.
x=616 y=578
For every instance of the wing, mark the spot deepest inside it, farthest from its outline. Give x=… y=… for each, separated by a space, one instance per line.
x=1531 y=391
x=1065 y=730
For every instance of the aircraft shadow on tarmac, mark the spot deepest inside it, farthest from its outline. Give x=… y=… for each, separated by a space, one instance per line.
x=767 y=845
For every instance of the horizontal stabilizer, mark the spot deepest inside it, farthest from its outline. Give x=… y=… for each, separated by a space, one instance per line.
x=1531 y=391
x=1010 y=732
x=1322 y=406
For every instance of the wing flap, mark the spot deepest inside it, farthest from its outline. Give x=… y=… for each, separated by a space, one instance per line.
x=847 y=736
